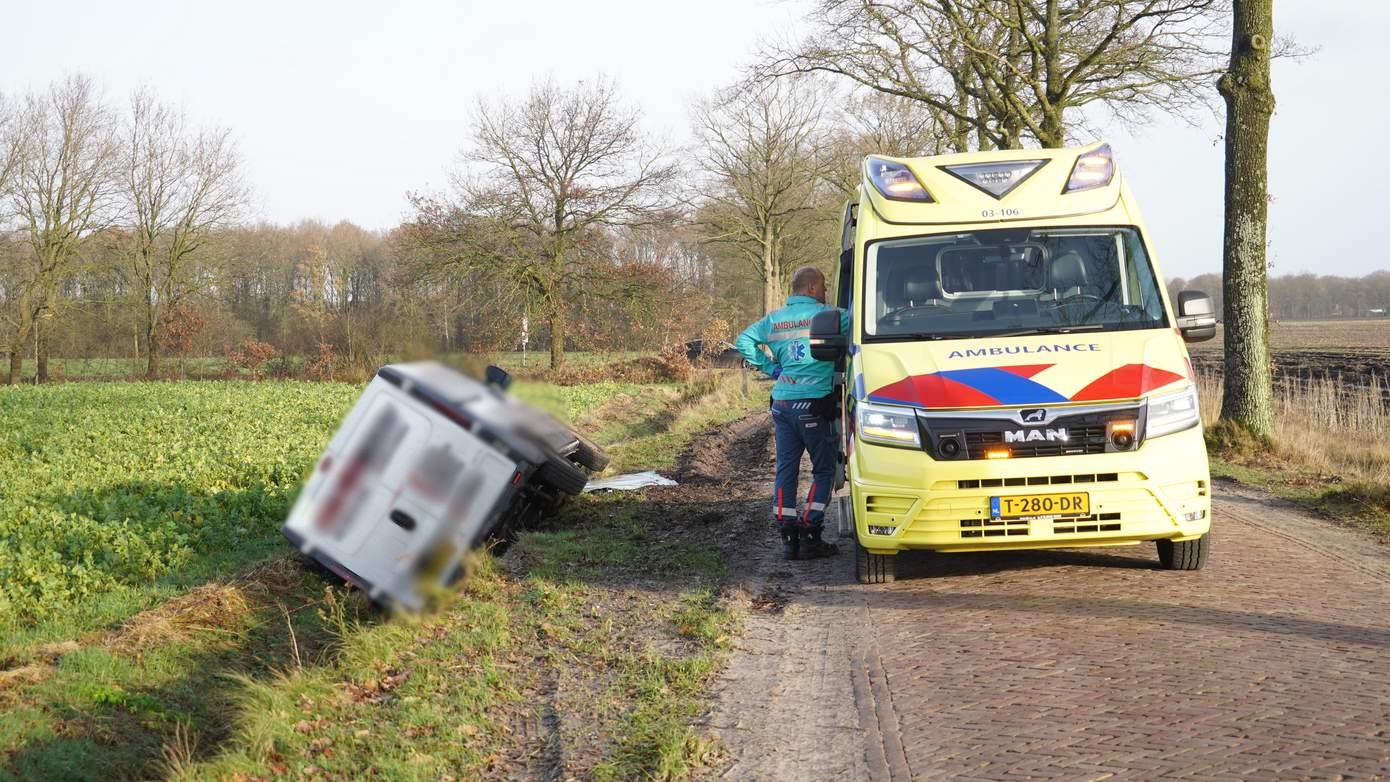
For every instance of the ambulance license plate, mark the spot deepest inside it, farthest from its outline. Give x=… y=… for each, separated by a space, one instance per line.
x=1035 y=506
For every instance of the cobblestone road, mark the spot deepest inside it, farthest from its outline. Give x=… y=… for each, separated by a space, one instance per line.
x=1272 y=663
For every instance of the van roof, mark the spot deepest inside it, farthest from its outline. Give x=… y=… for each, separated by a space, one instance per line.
x=994 y=186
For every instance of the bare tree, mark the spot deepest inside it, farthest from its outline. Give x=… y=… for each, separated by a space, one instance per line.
x=11 y=143
x=61 y=194
x=760 y=149
x=178 y=187
x=556 y=168
x=10 y=146
x=993 y=71
x=877 y=123
x=1248 y=399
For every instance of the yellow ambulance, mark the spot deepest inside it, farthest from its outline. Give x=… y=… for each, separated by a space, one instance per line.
x=1015 y=376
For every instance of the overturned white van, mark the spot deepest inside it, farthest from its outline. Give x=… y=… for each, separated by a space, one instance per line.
x=425 y=466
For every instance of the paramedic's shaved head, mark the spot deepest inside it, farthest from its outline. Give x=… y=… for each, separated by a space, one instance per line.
x=809 y=281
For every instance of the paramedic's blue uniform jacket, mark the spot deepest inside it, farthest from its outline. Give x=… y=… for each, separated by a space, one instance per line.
x=800 y=404
x=787 y=332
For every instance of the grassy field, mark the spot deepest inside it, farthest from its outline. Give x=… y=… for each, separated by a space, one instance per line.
x=1318 y=335
x=1331 y=448
x=213 y=367
x=154 y=625
x=1332 y=387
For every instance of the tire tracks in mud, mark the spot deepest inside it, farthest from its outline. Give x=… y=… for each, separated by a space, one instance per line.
x=800 y=698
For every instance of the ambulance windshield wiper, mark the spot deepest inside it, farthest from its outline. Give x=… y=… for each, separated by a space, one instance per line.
x=924 y=335
x=1052 y=330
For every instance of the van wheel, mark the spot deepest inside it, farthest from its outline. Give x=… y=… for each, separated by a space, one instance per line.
x=562 y=474
x=590 y=455
x=1184 y=554
x=872 y=568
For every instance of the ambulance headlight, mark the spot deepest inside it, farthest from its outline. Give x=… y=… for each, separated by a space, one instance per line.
x=887 y=425
x=895 y=180
x=1093 y=169
x=1173 y=412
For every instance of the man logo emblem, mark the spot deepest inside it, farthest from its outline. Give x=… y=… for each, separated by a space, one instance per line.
x=1034 y=415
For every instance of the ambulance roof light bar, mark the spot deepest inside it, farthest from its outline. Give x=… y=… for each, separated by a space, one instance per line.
x=894 y=180
x=1093 y=169
x=995 y=179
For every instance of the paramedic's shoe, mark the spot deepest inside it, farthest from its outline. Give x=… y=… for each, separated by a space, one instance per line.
x=812 y=547
x=791 y=539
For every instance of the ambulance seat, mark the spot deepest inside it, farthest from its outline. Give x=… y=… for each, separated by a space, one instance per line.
x=1067 y=276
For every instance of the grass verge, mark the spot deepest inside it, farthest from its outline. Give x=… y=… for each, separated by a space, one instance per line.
x=1329 y=453
x=585 y=651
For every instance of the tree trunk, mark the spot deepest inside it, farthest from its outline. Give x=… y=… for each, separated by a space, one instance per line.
x=40 y=353
x=1053 y=135
x=557 y=335
x=21 y=336
x=772 y=279
x=151 y=350
x=1248 y=399
x=1054 y=131
x=148 y=323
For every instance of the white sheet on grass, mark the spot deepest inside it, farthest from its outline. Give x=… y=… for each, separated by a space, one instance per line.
x=636 y=480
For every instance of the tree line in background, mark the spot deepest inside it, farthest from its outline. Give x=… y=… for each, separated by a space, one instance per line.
x=127 y=233
x=1307 y=296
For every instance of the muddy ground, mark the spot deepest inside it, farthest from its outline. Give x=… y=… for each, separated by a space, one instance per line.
x=1349 y=366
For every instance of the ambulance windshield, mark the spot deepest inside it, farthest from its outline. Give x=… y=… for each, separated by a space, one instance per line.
x=1010 y=281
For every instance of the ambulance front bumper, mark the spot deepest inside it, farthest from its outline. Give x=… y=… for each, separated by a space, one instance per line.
x=903 y=499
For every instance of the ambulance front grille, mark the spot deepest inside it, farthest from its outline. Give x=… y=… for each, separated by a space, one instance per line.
x=1096 y=522
x=992 y=528
x=1003 y=528
x=1039 y=480
x=1082 y=440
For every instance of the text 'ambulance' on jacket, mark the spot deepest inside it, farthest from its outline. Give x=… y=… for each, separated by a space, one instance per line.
x=787 y=332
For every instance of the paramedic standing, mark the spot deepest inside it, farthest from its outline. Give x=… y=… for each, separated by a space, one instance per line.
x=803 y=411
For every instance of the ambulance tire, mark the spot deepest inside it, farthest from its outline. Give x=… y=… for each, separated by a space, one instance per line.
x=590 y=455
x=1184 y=554
x=562 y=475
x=872 y=568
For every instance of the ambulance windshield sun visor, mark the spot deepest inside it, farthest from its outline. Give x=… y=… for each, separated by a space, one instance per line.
x=895 y=180
x=1010 y=282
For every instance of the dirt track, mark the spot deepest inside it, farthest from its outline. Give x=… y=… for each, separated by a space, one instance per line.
x=1270 y=663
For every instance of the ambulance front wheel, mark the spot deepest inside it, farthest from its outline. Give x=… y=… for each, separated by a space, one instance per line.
x=872 y=568
x=1184 y=554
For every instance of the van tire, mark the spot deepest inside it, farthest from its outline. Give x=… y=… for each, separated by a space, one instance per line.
x=872 y=568
x=1184 y=554
x=590 y=455
x=561 y=474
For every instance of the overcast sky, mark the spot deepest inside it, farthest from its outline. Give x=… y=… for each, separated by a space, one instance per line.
x=342 y=107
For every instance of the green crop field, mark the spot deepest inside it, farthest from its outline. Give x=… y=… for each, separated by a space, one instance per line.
x=115 y=495
x=154 y=624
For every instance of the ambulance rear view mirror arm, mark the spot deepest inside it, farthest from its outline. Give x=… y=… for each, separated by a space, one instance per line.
x=827 y=343
x=1196 y=316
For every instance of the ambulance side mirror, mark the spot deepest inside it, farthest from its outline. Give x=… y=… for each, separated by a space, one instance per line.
x=1196 y=316
x=827 y=343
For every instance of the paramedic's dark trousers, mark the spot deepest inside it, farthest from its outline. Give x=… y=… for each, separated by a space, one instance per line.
x=798 y=429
